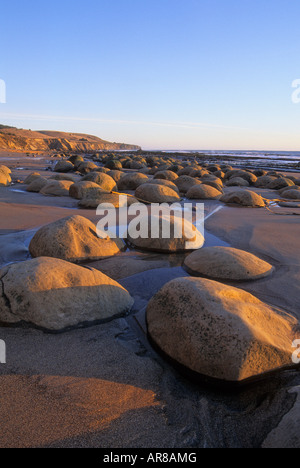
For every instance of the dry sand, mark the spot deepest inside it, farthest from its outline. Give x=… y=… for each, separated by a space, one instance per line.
x=104 y=386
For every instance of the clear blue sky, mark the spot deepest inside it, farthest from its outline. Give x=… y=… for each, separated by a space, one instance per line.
x=186 y=74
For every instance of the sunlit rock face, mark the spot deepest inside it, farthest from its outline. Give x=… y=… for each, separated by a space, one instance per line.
x=154 y=193
x=166 y=233
x=228 y=264
x=220 y=332
x=55 y=295
x=5 y=176
x=73 y=239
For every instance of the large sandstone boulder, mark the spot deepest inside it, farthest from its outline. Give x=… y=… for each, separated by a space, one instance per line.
x=5 y=170
x=64 y=166
x=213 y=182
x=246 y=175
x=166 y=175
x=55 y=295
x=153 y=193
x=85 y=189
x=220 y=332
x=113 y=164
x=56 y=188
x=264 y=181
x=166 y=183
x=289 y=204
x=70 y=177
x=5 y=179
x=203 y=192
x=167 y=234
x=132 y=181
x=33 y=176
x=244 y=198
x=116 y=175
x=104 y=181
x=87 y=167
x=184 y=183
x=291 y=194
x=227 y=264
x=237 y=182
x=73 y=239
x=37 y=184
x=280 y=183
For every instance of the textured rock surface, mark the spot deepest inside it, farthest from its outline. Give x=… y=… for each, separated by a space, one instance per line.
x=104 y=181
x=244 y=198
x=164 y=239
x=286 y=434
x=107 y=199
x=203 y=192
x=184 y=183
x=154 y=193
x=54 y=294
x=73 y=239
x=227 y=263
x=37 y=184
x=219 y=331
x=132 y=181
x=64 y=166
x=85 y=189
x=57 y=188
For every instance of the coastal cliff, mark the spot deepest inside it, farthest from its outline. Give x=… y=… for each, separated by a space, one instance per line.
x=26 y=140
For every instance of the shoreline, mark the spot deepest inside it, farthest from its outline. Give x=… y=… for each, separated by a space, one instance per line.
x=105 y=385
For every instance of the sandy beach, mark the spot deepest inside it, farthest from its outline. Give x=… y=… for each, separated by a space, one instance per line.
x=105 y=385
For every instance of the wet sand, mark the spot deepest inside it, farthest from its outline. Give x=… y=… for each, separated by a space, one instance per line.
x=105 y=386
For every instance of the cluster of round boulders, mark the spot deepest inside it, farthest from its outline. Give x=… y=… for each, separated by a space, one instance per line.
x=56 y=295
x=74 y=239
x=154 y=193
x=226 y=263
x=5 y=176
x=166 y=233
x=219 y=332
x=244 y=198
